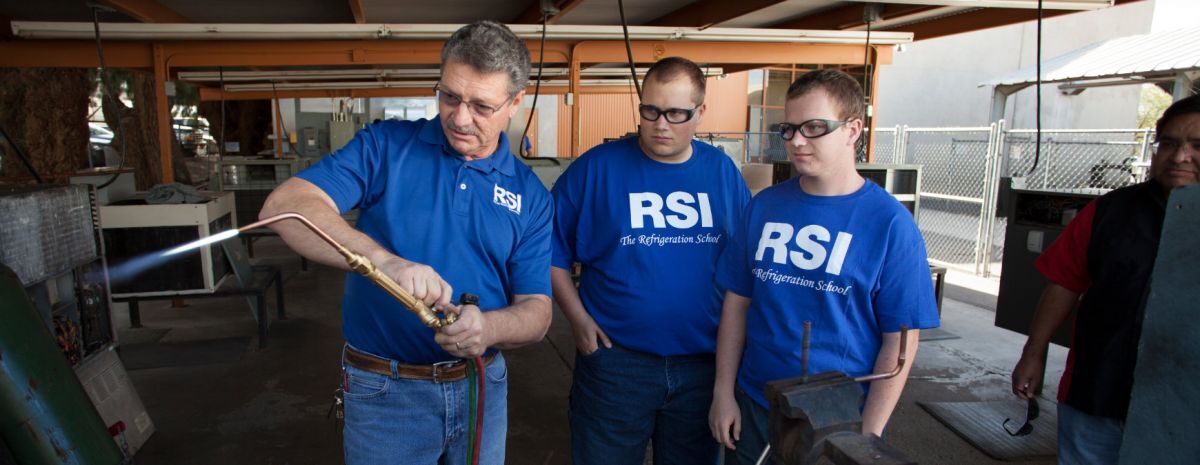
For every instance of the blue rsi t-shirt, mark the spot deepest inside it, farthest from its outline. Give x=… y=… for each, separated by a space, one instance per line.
x=648 y=235
x=854 y=265
x=483 y=225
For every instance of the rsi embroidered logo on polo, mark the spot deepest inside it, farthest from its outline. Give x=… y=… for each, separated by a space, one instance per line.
x=643 y=204
x=775 y=236
x=506 y=199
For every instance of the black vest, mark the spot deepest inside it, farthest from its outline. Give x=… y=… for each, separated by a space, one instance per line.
x=1120 y=257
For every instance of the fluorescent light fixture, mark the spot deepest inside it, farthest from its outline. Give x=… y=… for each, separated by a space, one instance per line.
x=167 y=31
x=1046 y=4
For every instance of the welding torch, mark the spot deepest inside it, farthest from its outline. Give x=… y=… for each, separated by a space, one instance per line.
x=354 y=260
x=428 y=316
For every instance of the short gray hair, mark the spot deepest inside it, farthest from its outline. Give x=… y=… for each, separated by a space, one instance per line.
x=490 y=47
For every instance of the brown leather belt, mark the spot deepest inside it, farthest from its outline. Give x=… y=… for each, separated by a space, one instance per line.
x=440 y=372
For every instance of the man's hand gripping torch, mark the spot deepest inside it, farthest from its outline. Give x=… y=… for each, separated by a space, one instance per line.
x=362 y=265
x=428 y=316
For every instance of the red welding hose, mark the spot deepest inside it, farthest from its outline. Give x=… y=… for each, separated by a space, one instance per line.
x=480 y=370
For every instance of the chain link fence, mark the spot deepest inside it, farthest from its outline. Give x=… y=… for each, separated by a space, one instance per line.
x=885 y=148
x=1075 y=160
x=953 y=168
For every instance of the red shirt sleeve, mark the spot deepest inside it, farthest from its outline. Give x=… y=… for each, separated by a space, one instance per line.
x=1065 y=262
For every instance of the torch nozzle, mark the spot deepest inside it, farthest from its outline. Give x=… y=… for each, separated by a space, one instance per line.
x=355 y=261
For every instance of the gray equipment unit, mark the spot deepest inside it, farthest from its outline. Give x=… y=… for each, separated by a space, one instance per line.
x=46 y=230
x=51 y=233
x=1035 y=220
x=252 y=179
x=340 y=133
x=310 y=142
x=135 y=234
x=121 y=187
x=1161 y=424
x=902 y=181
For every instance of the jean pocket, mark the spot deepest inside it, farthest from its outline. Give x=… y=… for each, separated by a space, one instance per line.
x=497 y=372
x=594 y=353
x=364 y=385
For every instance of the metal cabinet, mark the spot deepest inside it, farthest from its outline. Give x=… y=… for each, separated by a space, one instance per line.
x=252 y=179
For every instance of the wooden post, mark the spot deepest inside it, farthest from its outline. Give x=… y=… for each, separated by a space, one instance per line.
x=163 y=112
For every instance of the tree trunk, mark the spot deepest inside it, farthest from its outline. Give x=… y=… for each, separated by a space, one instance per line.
x=247 y=122
x=44 y=112
x=136 y=130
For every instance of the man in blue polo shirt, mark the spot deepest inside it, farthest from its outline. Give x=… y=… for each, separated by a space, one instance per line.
x=443 y=206
x=828 y=247
x=646 y=217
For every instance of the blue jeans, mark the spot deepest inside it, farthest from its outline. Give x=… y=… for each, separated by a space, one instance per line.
x=1085 y=439
x=402 y=421
x=753 y=439
x=621 y=399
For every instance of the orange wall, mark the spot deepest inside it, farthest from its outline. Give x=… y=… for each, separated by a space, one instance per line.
x=613 y=115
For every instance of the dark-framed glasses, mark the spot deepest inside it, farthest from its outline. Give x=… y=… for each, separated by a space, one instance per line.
x=1169 y=145
x=1031 y=414
x=810 y=129
x=478 y=109
x=673 y=115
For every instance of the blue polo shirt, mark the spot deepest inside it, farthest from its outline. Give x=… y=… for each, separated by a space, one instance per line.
x=648 y=235
x=854 y=265
x=483 y=225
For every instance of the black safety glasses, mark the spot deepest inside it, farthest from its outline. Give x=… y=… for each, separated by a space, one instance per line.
x=1030 y=415
x=673 y=115
x=810 y=129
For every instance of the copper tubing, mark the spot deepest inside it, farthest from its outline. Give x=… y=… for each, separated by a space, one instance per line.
x=899 y=361
x=362 y=265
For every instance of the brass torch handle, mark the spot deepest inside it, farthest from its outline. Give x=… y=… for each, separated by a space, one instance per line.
x=360 y=264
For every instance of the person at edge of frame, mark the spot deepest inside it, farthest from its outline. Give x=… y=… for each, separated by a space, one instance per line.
x=1101 y=264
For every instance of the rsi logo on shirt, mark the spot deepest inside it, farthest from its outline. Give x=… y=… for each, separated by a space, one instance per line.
x=506 y=199
x=775 y=236
x=643 y=204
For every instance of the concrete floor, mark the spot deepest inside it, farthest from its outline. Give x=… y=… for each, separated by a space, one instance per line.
x=269 y=406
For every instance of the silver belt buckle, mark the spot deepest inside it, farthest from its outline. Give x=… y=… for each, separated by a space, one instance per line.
x=439 y=366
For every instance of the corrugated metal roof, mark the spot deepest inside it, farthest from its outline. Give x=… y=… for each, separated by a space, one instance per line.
x=1155 y=53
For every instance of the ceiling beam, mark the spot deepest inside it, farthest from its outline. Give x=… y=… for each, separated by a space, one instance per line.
x=979 y=19
x=739 y=68
x=974 y=20
x=533 y=13
x=269 y=54
x=214 y=94
x=146 y=11
x=356 y=8
x=848 y=16
x=265 y=54
x=707 y=13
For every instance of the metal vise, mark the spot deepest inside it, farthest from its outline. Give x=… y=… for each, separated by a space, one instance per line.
x=815 y=420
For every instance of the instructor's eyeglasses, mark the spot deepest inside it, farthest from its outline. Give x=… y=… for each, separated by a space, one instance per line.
x=479 y=109
x=810 y=129
x=1030 y=415
x=673 y=115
